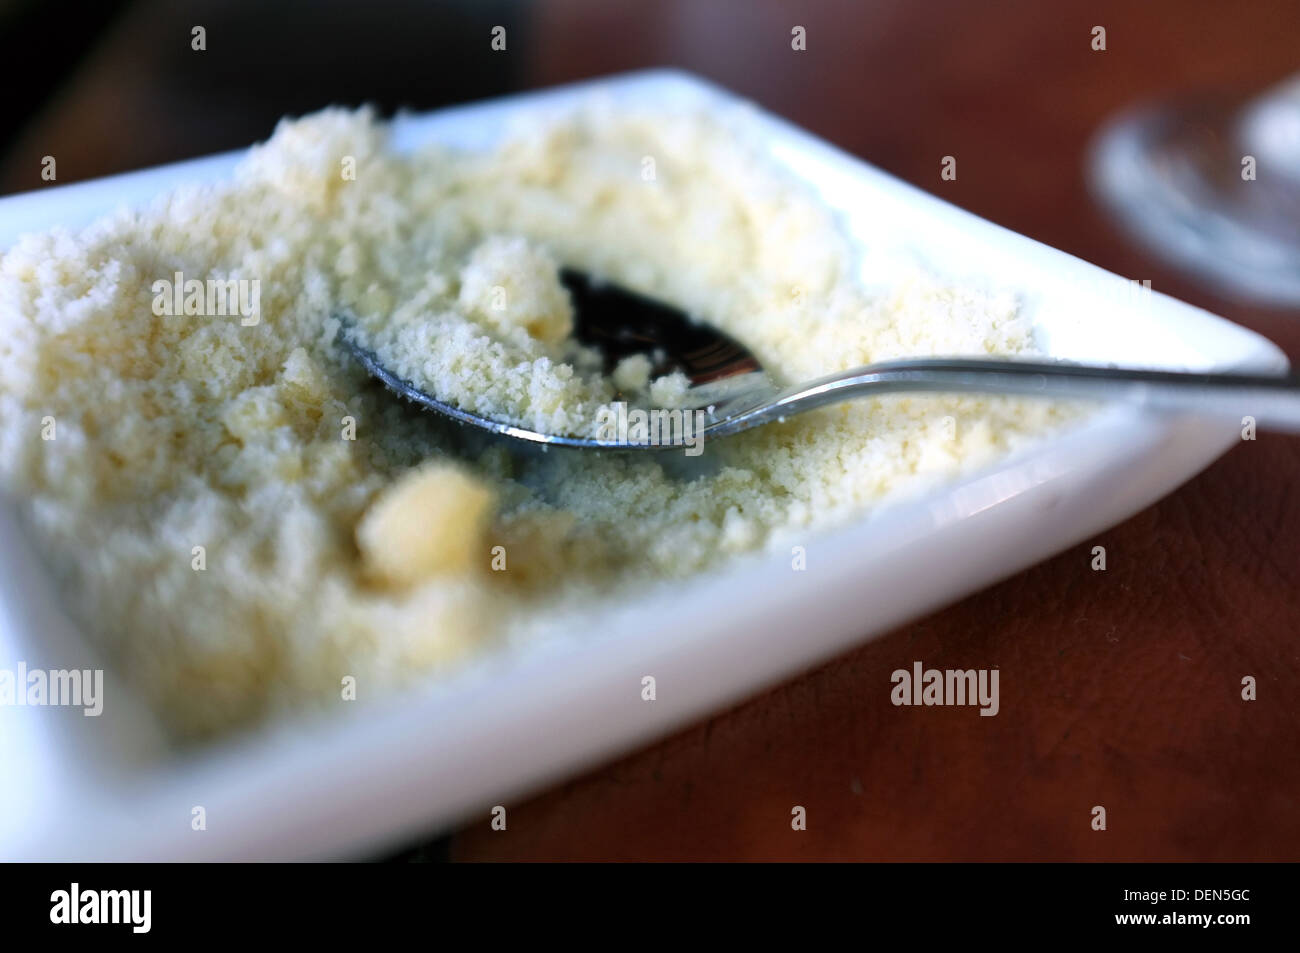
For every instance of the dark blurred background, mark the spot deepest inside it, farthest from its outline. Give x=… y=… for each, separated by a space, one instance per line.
x=1204 y=585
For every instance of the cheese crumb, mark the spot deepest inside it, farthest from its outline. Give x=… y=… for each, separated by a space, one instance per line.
x=429 y=523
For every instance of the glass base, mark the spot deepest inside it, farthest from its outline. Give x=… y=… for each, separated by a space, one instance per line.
x=1213 y=189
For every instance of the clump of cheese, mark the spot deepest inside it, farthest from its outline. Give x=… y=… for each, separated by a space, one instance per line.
x=632 y=374
x=430 y=523
x=508 y=284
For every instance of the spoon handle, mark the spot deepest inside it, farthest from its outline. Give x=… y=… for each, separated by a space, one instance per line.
x=1273 y=402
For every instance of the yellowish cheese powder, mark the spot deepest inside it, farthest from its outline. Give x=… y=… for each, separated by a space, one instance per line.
x=240 y=518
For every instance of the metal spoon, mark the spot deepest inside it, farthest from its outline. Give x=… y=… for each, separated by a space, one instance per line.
x=733 y=394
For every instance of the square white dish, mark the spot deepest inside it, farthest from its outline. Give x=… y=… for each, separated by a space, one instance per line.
x=107 y=787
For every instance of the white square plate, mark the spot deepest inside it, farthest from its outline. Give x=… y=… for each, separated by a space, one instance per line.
x=107 y=787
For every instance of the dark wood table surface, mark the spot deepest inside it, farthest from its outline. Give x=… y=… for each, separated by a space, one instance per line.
x=1119 y=688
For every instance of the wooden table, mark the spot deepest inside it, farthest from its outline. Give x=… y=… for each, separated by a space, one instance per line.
x=1120 y=688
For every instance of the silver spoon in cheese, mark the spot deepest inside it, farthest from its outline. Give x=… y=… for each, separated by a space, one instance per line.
x=730 y=392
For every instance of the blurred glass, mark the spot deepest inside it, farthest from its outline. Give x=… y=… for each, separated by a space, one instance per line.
x=1213 y=186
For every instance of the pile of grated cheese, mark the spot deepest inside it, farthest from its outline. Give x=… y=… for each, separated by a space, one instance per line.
x=240 y=518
